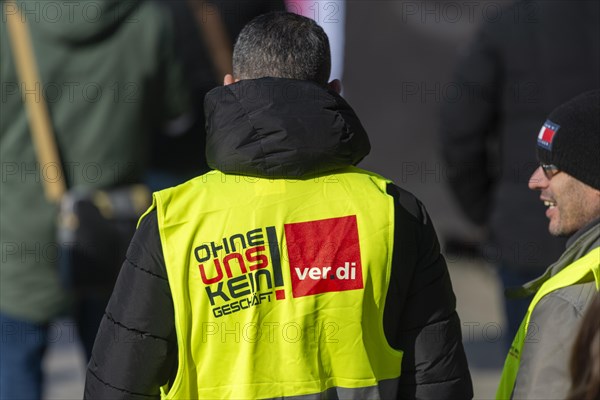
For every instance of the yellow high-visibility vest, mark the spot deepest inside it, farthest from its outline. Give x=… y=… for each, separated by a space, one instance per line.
x=585 y=269
x=278 y=286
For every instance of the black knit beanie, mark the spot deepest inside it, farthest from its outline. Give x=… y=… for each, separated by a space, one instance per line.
x=570 y=138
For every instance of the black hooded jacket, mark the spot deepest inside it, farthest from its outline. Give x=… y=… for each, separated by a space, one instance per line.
x=280 y=128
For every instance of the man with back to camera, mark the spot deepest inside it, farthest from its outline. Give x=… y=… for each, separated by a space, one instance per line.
x=569 y=183
x=286 y=272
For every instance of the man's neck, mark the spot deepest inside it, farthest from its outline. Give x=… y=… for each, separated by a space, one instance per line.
x=581 y=231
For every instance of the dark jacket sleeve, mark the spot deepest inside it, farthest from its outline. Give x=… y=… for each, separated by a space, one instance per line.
x=467 y=124
x=420 y=314
x=135 y=351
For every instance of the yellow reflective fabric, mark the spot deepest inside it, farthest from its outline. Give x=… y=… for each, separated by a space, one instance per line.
x=278 y=285
x=586 y=269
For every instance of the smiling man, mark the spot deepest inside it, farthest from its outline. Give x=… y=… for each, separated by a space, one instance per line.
x=569 y=183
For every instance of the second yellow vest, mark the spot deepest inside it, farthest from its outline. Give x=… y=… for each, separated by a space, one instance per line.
x=585 y=269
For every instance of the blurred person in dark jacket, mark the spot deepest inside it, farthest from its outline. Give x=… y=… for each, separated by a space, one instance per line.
x=285 y=272
x=108 y=74
x=517 y=69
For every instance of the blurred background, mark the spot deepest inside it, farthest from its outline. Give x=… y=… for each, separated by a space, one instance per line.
x=397 y=61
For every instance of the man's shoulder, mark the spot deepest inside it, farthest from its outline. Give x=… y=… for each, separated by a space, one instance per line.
x=573 y=299
x=404 y=200
x=407 y=202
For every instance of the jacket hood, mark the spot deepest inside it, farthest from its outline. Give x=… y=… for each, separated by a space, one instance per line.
x=279 y=128
x=80 y=21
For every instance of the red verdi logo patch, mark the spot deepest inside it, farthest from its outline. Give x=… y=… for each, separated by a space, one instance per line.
x=324 y=256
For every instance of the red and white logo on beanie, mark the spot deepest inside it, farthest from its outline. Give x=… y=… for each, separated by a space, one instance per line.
x=546 y=135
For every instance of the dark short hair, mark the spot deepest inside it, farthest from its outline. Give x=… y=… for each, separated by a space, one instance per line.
x=282 y=45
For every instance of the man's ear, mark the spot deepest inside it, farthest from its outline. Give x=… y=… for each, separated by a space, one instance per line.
x=335 y=85
x=229 y=79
